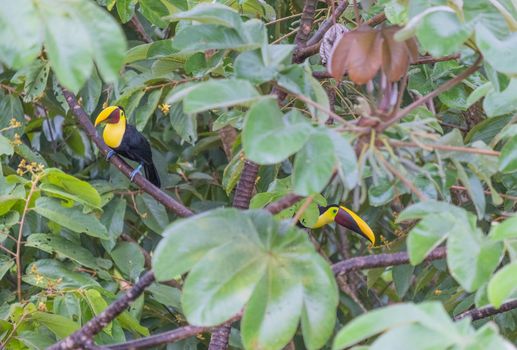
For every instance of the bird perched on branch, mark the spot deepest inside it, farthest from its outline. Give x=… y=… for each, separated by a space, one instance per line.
x=124 y=139
x=344 y=217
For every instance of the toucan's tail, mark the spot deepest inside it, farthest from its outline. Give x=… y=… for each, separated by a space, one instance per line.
x=151 y=174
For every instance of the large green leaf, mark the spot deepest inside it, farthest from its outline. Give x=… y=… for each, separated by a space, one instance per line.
x=71 y=218
x=441 y=33
x=346 y=160
x=45 y=273
x=499 y=103
x=5 y=146
x=97 y=305
x=61 y=193
x=250 y=260
x=428 y=234
x=502 y=284
x=314 y=164
x=471 y=256
x=499 y=53
x=214 y=94
x=20 y=33
x=53 y=243
x=505 y=230
x=269 y=137
x=129 y=259
x=59 y=325
x=34 y=79
x=211 y=13
x=508 y=158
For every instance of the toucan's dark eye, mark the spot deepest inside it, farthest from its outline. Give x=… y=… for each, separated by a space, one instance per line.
x=334 y=211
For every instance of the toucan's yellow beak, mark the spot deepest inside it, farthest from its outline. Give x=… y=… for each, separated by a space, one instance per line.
x=347 y=218
x=106 y=112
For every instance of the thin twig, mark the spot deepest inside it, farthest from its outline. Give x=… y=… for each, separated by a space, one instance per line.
x=316 y=38
x=96 y=324
x=505 y=196
x=19 y=270
x=404 y=179
x=139 y=29
x=162 y=197
x=485 y=152
x=7 y=250
x=442 y=88
x=283 y=203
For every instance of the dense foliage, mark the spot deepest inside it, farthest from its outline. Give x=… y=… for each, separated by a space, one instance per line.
x=402 y=110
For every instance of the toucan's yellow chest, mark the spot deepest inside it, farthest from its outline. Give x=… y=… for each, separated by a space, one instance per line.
x=114 y=133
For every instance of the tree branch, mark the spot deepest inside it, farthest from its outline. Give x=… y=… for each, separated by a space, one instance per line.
x=137 y=26
x=283 y=203
x=162 y=197
x=442 y=88
x=325 y=26
x=96 y=324
x=381 y=260
x=309 y=10
x=487 y=311
x=246 y=185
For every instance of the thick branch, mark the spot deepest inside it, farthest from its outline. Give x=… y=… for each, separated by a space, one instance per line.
x=381 y=260
x=246 y=185
x=309 y=10
x=121 y=165
x=96 y=324
x=477 y=314
x=316 y=38
x=283 y=203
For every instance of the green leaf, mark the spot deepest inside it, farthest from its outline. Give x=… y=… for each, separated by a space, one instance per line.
x=499 y=103
x=166 y=295
x=71 y=218
x=195 y=38
x=20 y=33
x=441 y=33
x=188 y=251
x=56 y=181
x=34 y=79
x=69 y=51
x=53 y=243
x=508 y=158
x=185 y=125
x=222 y=93
x=346 y=160
x=472 y=257
x=129 y=259
x=146 y=110
x=239 y=259
x=45 y=272
x=156 y=11
x=422 y=209
x=504 y=230
x=269 y=137
x=35 y=340
x=97 y=305
x=412 y=336
x=402 y=278
x=428 y=234
x=480 y=92
x=113 y=219
x=126 y=9
x=499 y=53
x=153 y=213
x=127 y=321
x=7 y=202
x=211 y=14
x=5 y=146
x=314 y=164
x=273 y=311
x=91 y=92
x=5 y=265
x=232 y=172
x=502 y=284
x=59 y=325
x=379 y=320
x=210 y=299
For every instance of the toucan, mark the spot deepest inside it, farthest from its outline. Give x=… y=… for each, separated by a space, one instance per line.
x=124 y=139
x=344 y=217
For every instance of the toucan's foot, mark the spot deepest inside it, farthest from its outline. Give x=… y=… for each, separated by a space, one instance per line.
x=136 y=171
x=110 y=154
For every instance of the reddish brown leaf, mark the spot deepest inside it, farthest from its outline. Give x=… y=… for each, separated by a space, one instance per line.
x=358 y=53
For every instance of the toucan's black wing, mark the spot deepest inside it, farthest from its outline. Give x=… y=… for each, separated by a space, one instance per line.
x=135 y=146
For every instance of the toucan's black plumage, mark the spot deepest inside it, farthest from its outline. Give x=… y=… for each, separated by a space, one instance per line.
x=125 y=140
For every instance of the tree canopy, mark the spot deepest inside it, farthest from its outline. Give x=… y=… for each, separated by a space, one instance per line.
x=258 y=114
